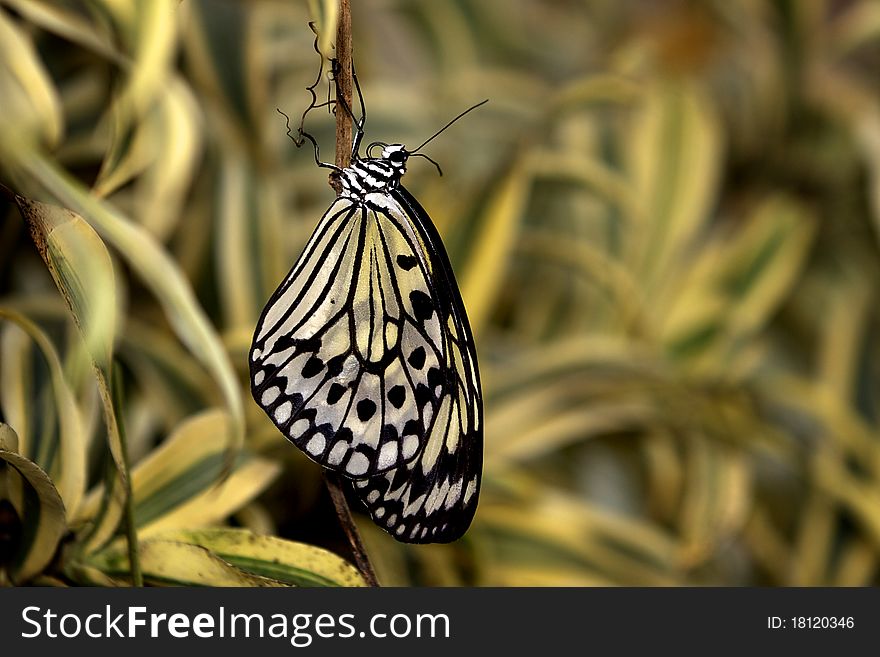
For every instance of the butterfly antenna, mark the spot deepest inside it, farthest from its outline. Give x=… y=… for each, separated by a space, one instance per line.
x=432 y=137
x=439 y=170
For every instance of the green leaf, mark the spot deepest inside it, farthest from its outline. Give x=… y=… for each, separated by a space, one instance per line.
x=174 y=486
x=245 y=208
x=81 y=268
x=170 y=378
x=38 y=505
x=325 y=13
x=30 y=100
x=157 y=155
x=151 y=262
x=148 y=31
x=67 y=23
x=8 y=438
x=714 y=506
x=173 y=130
x=868 y=134
x=674 y=151
x=170 y=563
x=738 y=280
x=492 y=244
x=71 y=472
x=83 y=272
x=291 y=562
x=216 y=43
x=557 y=530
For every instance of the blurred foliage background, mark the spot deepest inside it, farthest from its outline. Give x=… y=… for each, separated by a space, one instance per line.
x=664 y=225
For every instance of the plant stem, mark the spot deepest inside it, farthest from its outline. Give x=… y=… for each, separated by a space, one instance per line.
x=343 y=85
x=134 y=562
x=334 y=486
x=344 y=138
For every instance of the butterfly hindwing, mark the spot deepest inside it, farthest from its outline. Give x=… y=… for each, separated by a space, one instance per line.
x=433 y=498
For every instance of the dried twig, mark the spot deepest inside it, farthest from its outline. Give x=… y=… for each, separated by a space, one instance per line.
x=343 y=85
x=335 y=484
x=344 y=138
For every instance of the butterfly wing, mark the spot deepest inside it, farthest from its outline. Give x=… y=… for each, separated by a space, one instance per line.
x=433 y=498
x=364 y=359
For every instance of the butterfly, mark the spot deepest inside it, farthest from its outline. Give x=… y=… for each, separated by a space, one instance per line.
x=364 y=358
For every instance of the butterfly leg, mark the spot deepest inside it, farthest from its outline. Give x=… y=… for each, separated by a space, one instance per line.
x=359 y=123
x=362 y=121
x=302 y=135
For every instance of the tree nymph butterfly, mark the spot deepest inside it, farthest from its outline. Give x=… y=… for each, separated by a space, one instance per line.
x=363 y=357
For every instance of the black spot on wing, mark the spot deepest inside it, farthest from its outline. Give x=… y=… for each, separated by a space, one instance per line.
x=334 y=365
x=422 y=305
x=366 y=408
x=435 y=377
x=412 y=428
x=397 y=396
x=296 y=400
x=345 y=434
x=302 y=345
x=285 y=342
x=406 y=262
x=334 y=394
x=423 y=395
x=417 y=358
x=313 y=367
x=388 y=433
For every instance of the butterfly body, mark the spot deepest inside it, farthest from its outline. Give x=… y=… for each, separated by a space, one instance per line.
x=364 y=358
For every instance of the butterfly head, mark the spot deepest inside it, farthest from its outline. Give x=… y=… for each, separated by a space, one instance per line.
x=393 y=156
x=396 y=155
